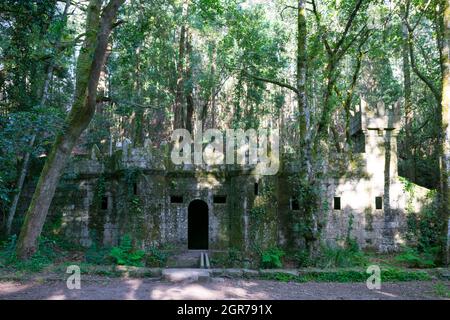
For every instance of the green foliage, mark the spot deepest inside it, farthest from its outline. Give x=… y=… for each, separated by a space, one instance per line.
x=307 y=223
x=423 y=230
x=271 y=258
x=415 y=259
x=125 y=254
x=47 y=253
x=332 y=257
x=441 y=290
x=344 y=276
x=394 y=274
x=154 y=257
x=262 y=215
x=97 y=255
x=282 y=277
x=232 y=258
x=15 y=135
x=303 y=259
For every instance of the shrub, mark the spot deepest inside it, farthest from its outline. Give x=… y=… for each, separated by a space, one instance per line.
x=393 y=274
x=155 y=258
x=414 y=259
x=343 y=276
x=349 y=256
x=125 y=254
x=303 y=259
x=441 y=290
x=271 y=258
x=231 y=258
x=97 y=255
x=46 y=254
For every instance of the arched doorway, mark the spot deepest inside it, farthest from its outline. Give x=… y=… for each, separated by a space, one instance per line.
x=198 y=225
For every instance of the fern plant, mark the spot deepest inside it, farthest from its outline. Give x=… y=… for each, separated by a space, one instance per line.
x=414 y=259
x=271 y=258
x=126 y=255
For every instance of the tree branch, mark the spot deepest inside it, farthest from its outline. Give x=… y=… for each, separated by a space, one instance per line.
x=276 y=82
x=428 y=82
x=348 y=25
x=319 y=26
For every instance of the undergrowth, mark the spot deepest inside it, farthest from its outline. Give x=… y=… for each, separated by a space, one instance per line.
x=271 y=258
x=441 y=290
x=389 y=274
x=413 y=258
x=126 y=254
x=48 y=252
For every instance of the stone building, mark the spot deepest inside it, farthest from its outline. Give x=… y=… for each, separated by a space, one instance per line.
x=139 y=192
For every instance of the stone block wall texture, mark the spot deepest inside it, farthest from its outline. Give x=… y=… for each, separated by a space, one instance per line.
x=130 y=193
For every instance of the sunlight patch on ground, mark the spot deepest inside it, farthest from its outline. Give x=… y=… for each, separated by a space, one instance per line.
x=387 y=294
x=134 y=285
x=196 y=291
x=11 y=287
x=58 y=296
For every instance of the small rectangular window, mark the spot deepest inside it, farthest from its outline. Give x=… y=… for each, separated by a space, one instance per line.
x=135 y=189
x=378 y=203
x=256 y=188
x=337 y=203
x=294 y=204
x=104 y=203
x=220 y=199
x=176 y=199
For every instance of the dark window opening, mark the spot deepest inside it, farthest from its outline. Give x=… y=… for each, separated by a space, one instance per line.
x=104 y=203
x=294 y=204
x=256 y=188
x=219 y=199
x=176 y=199
x=358 y=142
x=378 y=203
x=135 y=189
x=337 y=203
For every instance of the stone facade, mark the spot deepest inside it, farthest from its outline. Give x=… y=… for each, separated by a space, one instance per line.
x=137 y=191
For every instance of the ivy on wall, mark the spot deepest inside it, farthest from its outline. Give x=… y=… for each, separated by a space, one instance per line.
x=263 y=217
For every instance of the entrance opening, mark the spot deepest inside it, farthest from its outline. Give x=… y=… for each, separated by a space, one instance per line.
x=198 y=225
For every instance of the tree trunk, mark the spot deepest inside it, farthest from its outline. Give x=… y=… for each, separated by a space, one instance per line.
x=303 y=108
x=189 y=94
x=213 y=87
x=410 y=171
x=89 y=65
x=20 y=182
x=138 y=113
x=443 y=257
x=178 y=110
x=44 y=97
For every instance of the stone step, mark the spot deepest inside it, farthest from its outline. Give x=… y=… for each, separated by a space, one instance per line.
x=187 y=259
x=186 y=275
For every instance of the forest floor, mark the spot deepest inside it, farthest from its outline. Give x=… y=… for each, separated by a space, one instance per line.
x=217 y=288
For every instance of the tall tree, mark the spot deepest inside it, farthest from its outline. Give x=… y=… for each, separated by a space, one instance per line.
x=444 y=211
x=44 y=97
x=99 y=24
x=407 y=92
x=441 y=98
x=179 y=110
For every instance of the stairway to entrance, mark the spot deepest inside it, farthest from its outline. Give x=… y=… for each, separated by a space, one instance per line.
x=191 y=266
x=190 y=259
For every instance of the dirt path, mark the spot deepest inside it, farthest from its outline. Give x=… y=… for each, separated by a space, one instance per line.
x=107 y=288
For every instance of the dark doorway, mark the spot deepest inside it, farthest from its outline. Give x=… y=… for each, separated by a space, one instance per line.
x=198 y=225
